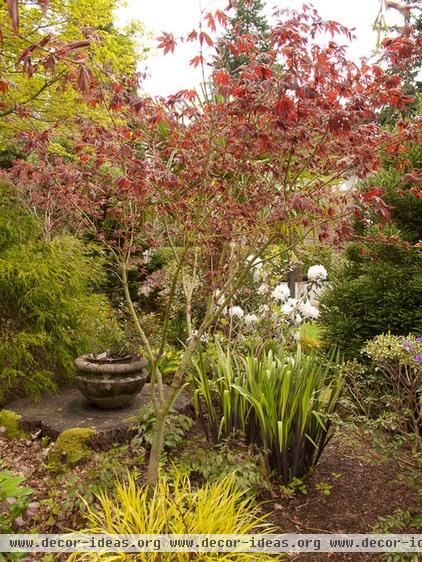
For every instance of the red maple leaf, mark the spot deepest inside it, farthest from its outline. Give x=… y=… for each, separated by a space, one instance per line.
x=263 y=72
x=192 y=35
x=189 y=95
x=373 y=193
x=196 y=61
x=209 y=18
x=221 y=77
x=221 y=17
x=285 y=106
x=338 y=124
x=205 y=37
x=84 y=79
x=167 y=42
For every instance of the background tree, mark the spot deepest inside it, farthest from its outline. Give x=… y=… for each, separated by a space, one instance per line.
x=411 y=73
x=247 y=22
x=378 y=287
x=67 y=61
x=59 y=64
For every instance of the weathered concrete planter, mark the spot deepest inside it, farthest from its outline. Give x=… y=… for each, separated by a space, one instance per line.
x=110 y=382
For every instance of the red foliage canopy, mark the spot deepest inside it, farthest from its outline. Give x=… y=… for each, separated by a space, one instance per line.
x=259 y=160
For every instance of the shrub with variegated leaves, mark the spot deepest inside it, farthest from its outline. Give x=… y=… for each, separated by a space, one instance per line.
x=398 y=360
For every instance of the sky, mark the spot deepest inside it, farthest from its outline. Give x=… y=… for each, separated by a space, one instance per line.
x=171 y=73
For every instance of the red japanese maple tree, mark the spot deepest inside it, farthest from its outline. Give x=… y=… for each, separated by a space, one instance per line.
x=256 y=163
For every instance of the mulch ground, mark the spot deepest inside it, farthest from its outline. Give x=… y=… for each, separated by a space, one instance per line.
x=364 y=486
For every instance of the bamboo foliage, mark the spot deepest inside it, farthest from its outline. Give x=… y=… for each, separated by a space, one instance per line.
x=282 y=402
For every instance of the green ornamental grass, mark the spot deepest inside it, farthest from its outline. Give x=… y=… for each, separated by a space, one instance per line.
x=282 y=402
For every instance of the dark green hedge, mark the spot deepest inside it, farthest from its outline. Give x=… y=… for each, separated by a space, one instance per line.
x=374 y=293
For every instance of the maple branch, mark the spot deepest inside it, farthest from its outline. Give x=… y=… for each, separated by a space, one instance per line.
x=144 y=339
x=180 y=261
x=201 y=51
x=188 y=292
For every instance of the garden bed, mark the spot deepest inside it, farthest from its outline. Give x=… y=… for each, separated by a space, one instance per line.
x=352 y=488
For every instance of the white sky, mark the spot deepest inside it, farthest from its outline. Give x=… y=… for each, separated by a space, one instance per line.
x=170 y=73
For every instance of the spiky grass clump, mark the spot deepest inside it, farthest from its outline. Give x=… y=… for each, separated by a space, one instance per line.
x=176 y=507
x=282 y=402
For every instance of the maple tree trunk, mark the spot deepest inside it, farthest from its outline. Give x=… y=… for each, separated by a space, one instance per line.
x=159 y=426
x=156 y=448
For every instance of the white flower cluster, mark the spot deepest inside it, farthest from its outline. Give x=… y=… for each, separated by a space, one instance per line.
x=250 y=319
x=289 y=307
x=309 y=310
x=281 y=292
x=236 y=311
x=299 y=310
x=317 y=273
x=262 y=289
x=294 y=311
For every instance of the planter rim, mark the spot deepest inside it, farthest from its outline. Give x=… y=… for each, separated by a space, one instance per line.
x=86 y=364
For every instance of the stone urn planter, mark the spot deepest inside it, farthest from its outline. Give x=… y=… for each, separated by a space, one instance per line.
x=110 y=381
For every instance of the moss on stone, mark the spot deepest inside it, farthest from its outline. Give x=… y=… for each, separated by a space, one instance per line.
x=71 y=448
x=10 y=421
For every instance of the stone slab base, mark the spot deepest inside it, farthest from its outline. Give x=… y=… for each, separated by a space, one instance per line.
x=57 y=412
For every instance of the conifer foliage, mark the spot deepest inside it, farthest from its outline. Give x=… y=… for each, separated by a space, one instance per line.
x=248 y=21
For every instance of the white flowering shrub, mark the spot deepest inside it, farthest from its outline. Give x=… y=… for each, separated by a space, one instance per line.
x=281 y=293
x=275 y=314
